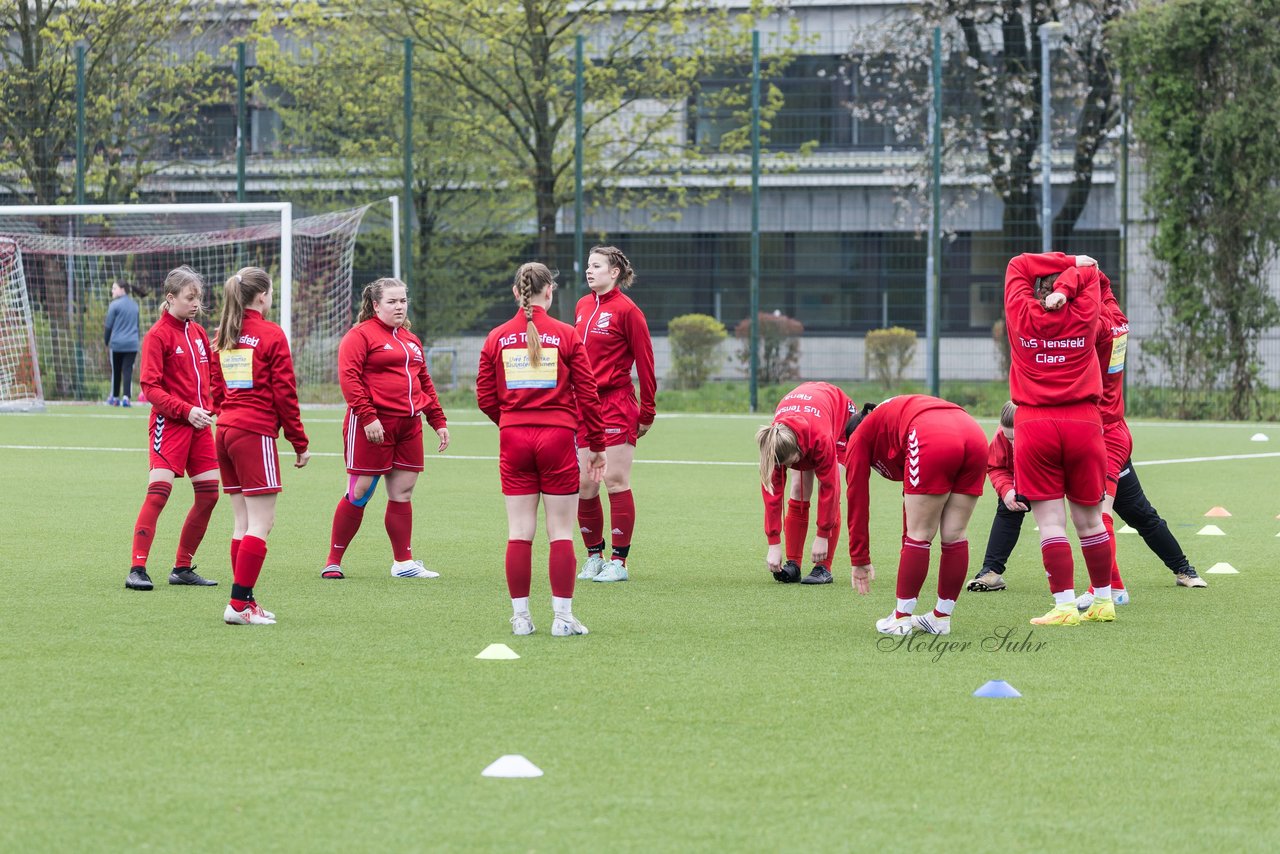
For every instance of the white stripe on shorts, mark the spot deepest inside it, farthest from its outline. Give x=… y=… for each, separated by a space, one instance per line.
x=269 y=461
x=352 y=425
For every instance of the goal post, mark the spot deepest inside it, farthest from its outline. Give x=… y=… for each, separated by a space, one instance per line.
x=20 y=389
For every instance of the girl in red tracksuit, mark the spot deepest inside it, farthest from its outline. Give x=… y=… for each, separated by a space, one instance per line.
x=533 y=381
x=616 y=336
x=382 y=370
x=808 y=436
x=1052 y=312
x=175 y=378
x=939 y=455
x=254 y=395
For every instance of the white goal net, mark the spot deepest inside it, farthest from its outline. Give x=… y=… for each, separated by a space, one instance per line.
x=19 y=368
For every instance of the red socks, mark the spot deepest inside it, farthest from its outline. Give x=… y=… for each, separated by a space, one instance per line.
x=622 y=518
x=953 y=568
x=1098 y=551
x=249 y=557
x=235 y=550
x=562 y=567
x=346 y=522
x=197 y=521
x=1117 y=583
x=795 y=527
x=913 y=566
x=591 y=521
x=520 y=567
x=832 y=542
x=399 y=522
x=1058 y=563
x=144 y=531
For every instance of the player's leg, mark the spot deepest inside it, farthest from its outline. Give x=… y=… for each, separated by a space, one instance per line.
x=126 y=375
x=622 y=510
x=113 y=399
x=202 y=459
x=522 y=525
x=922 y=513
x=795 y=519
x=1135 y=509
x=953 y=565
x=398 y=521
x=561 y=512
x=1006 y=527
x=366 y=464
x=590 y=515
x=259 y=514
x=159 y=486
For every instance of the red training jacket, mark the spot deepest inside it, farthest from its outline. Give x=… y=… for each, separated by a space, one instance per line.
x=1112 y=347
x=1000 y=464
x=382 y=370
x=1054 y=361
x=175 y=368
x=817 y=412
x=253 y=384
x=616 y=335
x=880 y=442
x=513 y=393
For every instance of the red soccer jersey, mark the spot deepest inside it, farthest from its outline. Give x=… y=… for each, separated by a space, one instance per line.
x=514 y=393
x=1054 y=361
x=880 y=442
x=175 y=368
x=383 y=370
x=1112 y=346
x=817 y=412
x=1000 y=464
x=253 y=384
x=616 y=336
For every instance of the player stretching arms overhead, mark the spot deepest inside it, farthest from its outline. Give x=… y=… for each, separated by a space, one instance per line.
x=175 y=378
x=807 y=436
x=532 y=369
x=1056 y=383
x=382 y=370
x=254 y=394
x=616 y=337
x=939 y=454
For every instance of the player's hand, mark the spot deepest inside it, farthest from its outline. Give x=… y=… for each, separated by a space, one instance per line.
x=374 y=433
x=820 y=550
x=1011 y=501
x=1085 y=261
x=443 y=435
x=595 y=466
x=773 y=557
x=643 y=428
x=1055 y=301
x=861 y=578
x=302 y=460
x=199 y=418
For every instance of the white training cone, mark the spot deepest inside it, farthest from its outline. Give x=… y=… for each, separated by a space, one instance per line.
x=1127 y=529
x=497 y=652
x=1219 y=512
x=1223 y=569
x=1211 y=531
x=511 y=765
x=1258 y=437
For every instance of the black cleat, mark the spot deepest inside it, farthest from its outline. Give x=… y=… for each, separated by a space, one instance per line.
x=187 y=575
x=789 y=574
x=138 y=579
x=817 y=575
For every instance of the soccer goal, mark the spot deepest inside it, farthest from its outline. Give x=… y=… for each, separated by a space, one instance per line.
x=19 y=368
x=66 y=257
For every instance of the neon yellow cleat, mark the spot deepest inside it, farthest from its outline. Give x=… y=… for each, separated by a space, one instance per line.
x=1067 y=615
x=1101 y=611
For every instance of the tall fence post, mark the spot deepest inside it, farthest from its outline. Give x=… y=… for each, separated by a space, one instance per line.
x=406 y=209
x=579 y=278
x=80 y=95
x=242 y=135
x=755 y=220
x=933 y=273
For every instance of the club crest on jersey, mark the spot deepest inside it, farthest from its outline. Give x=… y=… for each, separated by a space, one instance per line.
x=417 y=351
x=200 y=346
x=603 y=321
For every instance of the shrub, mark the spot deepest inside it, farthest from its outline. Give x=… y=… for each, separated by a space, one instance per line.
x=695 y=349
x=889 y=352
x=779 y=347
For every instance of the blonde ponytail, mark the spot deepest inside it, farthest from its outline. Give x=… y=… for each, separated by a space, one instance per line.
x=239 y=291
x=777 y=442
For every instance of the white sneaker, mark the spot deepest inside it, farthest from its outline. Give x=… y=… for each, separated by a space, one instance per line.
x=931 y=623
x=613 y=570
x=1120 y=596
x=522 y=624
x=252 y=615
x=592 y=567
x=566 y=625
x=1084 y=601
x=412 y=569
x=892 y=625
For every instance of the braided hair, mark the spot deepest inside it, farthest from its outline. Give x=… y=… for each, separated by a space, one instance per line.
x=531 y=280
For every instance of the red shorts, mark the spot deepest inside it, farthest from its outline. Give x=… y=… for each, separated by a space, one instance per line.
x=401 y=446
x=249 y=462
x=946 y=452
x=537 y=459
x=181 y=448
x=1060 y=452
x=1119 y=442
x=621 y=412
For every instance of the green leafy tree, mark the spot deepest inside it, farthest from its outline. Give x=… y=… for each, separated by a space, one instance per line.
x=1206 y=79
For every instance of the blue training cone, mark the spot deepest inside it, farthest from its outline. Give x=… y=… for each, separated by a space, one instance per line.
x=997 y=688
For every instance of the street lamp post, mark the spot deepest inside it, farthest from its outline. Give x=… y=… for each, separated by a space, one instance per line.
x=1050 y=39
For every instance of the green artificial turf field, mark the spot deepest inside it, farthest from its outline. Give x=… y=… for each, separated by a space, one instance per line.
x=709 y=708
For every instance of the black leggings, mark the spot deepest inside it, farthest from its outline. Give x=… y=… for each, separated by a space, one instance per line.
x=1131 y=505
x=122 y=372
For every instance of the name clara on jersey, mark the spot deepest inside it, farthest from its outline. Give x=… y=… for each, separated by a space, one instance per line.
x=521 y=338
x=1052 y=344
